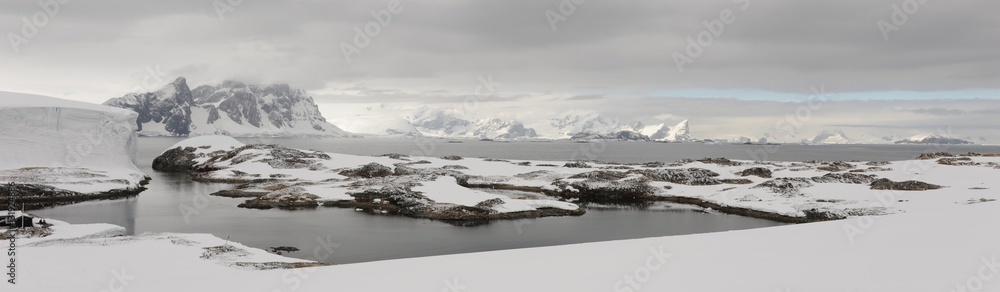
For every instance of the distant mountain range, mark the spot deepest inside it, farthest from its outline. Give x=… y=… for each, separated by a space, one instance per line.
x=441 y=123
x=933 y=139
x=276 y=110
x=231 y=108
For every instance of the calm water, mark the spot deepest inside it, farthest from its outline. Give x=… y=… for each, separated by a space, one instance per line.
x=362 y=237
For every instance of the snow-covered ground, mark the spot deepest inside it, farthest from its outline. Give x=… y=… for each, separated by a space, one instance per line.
x=952 y=248
x=790 y=189
x=71 y=145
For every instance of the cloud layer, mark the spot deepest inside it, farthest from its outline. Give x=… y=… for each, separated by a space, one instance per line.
x=616 y=55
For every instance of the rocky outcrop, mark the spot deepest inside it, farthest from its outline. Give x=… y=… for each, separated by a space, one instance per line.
x=177 y=159
x=910 y=185
x=761 y=172
x=368 y=171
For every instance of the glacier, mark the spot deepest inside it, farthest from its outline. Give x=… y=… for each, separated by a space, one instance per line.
x=68 y=145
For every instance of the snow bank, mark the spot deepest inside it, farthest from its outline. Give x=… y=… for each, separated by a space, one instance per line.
x=45 y=132
x=942 y=251
x=213 y=143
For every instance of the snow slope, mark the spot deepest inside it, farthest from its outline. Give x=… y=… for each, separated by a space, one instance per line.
x=66 y=144
x=831 y=137
x=949 y=249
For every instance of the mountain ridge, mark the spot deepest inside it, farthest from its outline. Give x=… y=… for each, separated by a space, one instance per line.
x=230 y=108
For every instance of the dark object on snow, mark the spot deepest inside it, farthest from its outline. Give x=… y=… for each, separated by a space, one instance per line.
x=11 y=221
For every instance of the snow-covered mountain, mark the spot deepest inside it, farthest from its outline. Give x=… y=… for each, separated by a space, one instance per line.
x=443 y=123
x=680 y=132
x=831 y=137
x=378 y=124
x=495 y=128
x=661 y=132
x=576 y=125
x=623 y=135
x=232 y=108
x=933 y=139
x=165 y=112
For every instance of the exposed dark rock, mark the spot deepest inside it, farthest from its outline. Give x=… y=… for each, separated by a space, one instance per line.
x=601 y=175
x=956 y=161
x=278 y=265
x=631 y=192
x=910 y=185
x=395 y=155
x=835 y=166
x=489 y=204
x=689 y=176
x=451 y=157
x=177 y=159
x=238 y=193
x=654 y=164
x=848 y=177
x=575 y=164
x=785 y=185
x=368 y=171
x=736 y=181
x=720 y=161
x=928 y=156
x=35 y=196
x=762 y=172
x=282 y=249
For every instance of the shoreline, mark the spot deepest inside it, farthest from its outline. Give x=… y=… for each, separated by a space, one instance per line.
x=43 y=196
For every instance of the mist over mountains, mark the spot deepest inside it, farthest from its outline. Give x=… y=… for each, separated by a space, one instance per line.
x=242 y=109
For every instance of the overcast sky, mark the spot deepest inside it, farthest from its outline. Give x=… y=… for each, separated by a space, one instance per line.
x=939 y=68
